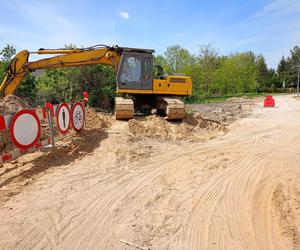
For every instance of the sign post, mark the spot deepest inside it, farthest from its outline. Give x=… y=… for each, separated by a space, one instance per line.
x=50 y=122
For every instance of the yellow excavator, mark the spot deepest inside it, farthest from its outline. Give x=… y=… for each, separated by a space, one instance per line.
x=134 y=77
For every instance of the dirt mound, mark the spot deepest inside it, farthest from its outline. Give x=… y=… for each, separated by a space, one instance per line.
x=96 y=119
x=12 y=103
x=96 y=123
x=192 y=127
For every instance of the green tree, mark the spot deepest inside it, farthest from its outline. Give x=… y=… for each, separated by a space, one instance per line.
x=2 y=71
x=7 y=53
x=27 y=88
x=293 y=62
x=287 y=67
x=274 y=80
x=283 y=70
x=262 y=72
x=99 y=80
x=237 y=74
x=56 y=85
x=209 y=62
x=160 y=60
x=177 y=59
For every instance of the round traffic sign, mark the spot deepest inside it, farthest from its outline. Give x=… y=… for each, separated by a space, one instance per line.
x=77 y=116
x=63 y=118
x=25 y=128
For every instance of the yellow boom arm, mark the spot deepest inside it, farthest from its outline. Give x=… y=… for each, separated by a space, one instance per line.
x=19 y=66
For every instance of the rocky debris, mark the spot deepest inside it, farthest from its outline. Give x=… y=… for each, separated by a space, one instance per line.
x=225 y=112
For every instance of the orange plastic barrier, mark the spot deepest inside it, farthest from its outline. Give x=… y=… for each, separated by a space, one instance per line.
x=269 y=101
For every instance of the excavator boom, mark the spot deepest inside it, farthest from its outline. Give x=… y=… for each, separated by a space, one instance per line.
x=20 y=66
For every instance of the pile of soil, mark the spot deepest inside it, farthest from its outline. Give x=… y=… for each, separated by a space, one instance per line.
x=96 y=119
x=73 y=145
x=192 y=128
x=95 y=124
x=12 y=104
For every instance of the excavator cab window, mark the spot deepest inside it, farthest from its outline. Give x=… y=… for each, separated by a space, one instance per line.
x=135 y=71
x=132 y=71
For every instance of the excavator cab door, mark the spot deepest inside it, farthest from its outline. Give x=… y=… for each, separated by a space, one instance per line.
x=135 y=71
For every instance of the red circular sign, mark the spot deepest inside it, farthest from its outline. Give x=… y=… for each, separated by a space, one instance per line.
x=77 y=116
x=25 y=128
x=63 y=118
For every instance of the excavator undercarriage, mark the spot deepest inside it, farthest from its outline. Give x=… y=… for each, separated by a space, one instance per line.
x=169 y=107
x=124 y=108
x=173 y=108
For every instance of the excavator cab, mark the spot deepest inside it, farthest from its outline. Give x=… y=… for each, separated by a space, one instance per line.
x=135 y=70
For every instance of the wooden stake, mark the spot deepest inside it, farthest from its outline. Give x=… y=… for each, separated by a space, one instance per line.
x=133 y=245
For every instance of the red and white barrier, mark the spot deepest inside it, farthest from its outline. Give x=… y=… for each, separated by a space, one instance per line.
x=25 y=126
x=16 y=153
x=77 y=116
x=5 y=121
x=63 y=120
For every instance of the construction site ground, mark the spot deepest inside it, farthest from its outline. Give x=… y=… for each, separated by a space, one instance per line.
x=226 y=177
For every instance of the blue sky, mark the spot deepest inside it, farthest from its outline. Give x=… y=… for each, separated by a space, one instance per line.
x=270 y=27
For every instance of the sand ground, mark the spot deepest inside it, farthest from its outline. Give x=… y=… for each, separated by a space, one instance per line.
x=240 y=190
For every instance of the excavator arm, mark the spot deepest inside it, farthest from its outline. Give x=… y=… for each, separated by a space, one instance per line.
x=20 y=66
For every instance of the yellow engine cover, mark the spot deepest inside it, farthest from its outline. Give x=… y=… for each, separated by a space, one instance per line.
x=172 y=85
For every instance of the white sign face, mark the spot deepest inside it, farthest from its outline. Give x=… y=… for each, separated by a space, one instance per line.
x=25 y=129
x=63 y=118
x=77 y=116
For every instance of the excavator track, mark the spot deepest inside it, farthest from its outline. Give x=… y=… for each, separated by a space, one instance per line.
x=124 y=108
x=174 y=108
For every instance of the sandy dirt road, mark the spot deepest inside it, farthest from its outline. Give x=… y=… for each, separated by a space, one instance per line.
x=239 y=191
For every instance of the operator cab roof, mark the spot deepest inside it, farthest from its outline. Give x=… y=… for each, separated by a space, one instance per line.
x=126 y=49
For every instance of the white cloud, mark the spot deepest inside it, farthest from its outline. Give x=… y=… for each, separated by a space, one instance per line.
x=124 y=15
